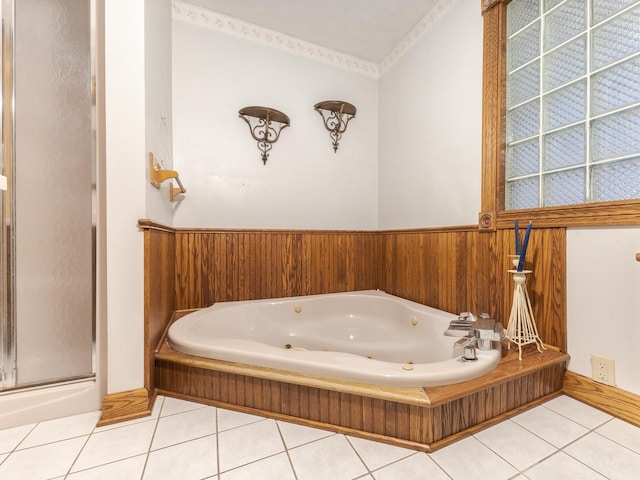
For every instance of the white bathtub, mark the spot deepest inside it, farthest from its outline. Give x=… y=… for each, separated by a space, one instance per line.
x=366 y=336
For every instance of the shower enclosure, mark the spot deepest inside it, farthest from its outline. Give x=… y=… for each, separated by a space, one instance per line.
x=47 y=246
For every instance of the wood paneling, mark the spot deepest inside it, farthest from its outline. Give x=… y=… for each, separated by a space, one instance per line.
x=467 y=271
x=159 y=287
x=425 y=421
x=614 y=401
x=447 y=270
x=216 y=266
x=452 y=269
x=546 y=258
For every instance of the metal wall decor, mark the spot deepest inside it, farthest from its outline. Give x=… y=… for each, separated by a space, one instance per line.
x=336 y=115
x=266 y=130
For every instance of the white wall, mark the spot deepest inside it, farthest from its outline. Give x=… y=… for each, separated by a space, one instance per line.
x=304 y=183
x=430 y=126
x=125 y=184
x=138 y=94
x=603 y=305
x=158 y=115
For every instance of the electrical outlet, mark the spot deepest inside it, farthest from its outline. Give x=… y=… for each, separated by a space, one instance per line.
x=603 y=369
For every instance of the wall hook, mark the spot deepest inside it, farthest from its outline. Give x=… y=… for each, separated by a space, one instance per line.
x=157 y=175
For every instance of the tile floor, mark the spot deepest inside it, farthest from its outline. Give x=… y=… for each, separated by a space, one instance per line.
x=561 y=439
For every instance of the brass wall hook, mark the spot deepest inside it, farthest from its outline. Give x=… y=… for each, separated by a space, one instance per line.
x=157 y=175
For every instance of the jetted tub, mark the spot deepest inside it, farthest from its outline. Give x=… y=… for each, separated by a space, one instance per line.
x=366 y=336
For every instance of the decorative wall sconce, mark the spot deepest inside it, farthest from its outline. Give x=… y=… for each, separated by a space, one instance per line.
x=267 y=129
x=336 y=115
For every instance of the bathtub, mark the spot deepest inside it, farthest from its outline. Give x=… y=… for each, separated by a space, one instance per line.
x=365 y=336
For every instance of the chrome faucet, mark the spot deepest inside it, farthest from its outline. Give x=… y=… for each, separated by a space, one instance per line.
x=482 y=333
x=469 y=343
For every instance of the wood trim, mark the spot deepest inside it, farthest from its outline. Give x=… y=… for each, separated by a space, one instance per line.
x=147 y=224
x=270 y=231
x=453 y=228
x=493 y=112
x=159 y=292
x=454 y=412
x=614 y=401
x=591 y=214
x=492 y=212
x=489 y=4
x=412 y=396
x=129 y=405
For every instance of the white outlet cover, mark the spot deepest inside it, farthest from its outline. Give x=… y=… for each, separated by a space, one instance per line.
x=3 y=182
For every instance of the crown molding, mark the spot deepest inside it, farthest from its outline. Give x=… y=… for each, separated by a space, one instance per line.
x=203 y=17
x=423 y=26
x=196 y=15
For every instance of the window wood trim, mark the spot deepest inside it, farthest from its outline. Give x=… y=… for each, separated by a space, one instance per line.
x=493 y=216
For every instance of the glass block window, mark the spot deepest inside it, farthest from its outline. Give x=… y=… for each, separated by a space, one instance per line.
x=573 y=102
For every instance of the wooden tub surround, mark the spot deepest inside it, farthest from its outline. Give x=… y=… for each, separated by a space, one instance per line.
x=419 y=418
x=454 y=269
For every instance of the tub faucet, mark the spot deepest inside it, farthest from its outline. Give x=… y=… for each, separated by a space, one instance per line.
x=469 y=344
x=487 y=331
x=484 y=332
x=462 y=325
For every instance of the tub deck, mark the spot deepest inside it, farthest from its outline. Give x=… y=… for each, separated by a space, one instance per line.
x=419 y=418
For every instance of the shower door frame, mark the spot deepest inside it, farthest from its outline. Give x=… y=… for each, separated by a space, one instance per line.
x=7 y=214
x=8 y=314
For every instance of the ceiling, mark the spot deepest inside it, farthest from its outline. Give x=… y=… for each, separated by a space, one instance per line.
x=366 y=29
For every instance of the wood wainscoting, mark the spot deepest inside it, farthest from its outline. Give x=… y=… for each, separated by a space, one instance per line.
x=419 y=418
x=464 y=269
x=225 y=265
x=453 y=269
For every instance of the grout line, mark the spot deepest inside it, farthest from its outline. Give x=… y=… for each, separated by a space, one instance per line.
x=15 y=449
x=604 y=437
x=217 y=445
x=575 y=421
x=415 y=453
x=631 y=449
x=251 y=462
x=286 y=450
x=519 y=474
x=504 y=459
x=78 y=454
x=79 y=451
x=101 y=465
x=561 y=449
x=358 y=454
x=153 y=436
x=438 y=465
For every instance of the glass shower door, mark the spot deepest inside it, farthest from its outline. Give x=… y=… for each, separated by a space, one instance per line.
x=49 y=149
